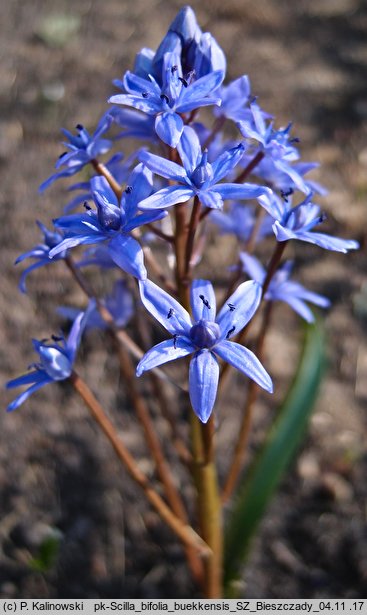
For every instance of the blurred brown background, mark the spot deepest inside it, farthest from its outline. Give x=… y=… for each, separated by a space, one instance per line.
x=307 y=62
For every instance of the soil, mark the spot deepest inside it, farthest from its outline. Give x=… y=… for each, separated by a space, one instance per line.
x=307 y=62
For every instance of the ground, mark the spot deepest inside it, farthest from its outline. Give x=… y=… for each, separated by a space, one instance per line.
x=307 y=62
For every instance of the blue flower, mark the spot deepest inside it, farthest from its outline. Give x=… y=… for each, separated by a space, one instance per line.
x=235 y=97
x=205 y=336
x=281 y=288
x=176 y=96
x=56 y=362
x=197 y=177
x=112 y=222
x=119 y=303
x=82 y=149
x=298 y=223
x=286 y=182
x=275 y=144
x=41 y=252
x=198 y=51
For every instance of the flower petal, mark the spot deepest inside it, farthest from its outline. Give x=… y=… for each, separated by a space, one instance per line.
x=239 y=308
x=189 y=149
x=167 y=197
x=203 y=383
x=211 y=199
x=245 y=361
x=202 y=300
x=127 y=253
x=240 y=191
x=166 y=351
x=169 y=127
x=164 y=168
x=165 y=308
x=23 y=396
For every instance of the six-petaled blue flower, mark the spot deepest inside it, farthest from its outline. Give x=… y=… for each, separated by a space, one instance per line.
x=56 y=361
x=205 y=336
x=197 y=176
x=281 y=288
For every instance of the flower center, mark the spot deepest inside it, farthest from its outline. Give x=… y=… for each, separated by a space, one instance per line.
x=204 y=333
x=203 y=171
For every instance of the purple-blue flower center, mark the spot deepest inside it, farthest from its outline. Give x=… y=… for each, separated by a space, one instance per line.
x=203 y=172
x=204 y=333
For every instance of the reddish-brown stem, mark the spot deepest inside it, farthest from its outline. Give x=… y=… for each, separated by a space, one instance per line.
x=239 y=453
x=183 y=531
x=250 y=167
x=159 y=233
x=194 y=221
x=101 y=169
x=163 y=471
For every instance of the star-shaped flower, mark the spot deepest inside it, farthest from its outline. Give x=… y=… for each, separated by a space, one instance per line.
x=56 y=361
x=197 y=176
x=176 y=96
x=82 y=148
x=205 y=336
x=41 y=252
x=298 y=223
x=281 y=288
x=112 y=222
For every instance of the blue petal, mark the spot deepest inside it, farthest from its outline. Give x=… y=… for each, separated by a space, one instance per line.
x=189 y=149
x=198 y=102
x=203 y=383
x=240 y=191
x=299 y=306
x=39 y=251
x=77 y=329
x=141 y=183
x=166 y=351
x=245 y=361
x=29 y=378
x=127 y=253
x=137 y=85
x=146 y=218
x=226 y=162
x=149 y=106
x=165 y=308
x=239 y=308
x=23 y=396
x=169 y=127
x=252 y=266
x=322 y=240
x=167 y=197
x=72 y=242
x=202 y=300
x=164 y=168
x=211 y=199
x=200 y=89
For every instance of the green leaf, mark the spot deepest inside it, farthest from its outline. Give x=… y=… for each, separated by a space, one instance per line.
x=269 y=466
x=47 y=553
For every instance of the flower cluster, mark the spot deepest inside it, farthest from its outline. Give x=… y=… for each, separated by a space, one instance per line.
x=253 y=188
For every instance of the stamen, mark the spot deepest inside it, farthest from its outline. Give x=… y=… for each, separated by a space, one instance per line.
x=183 y=81
x=294 y=140
x=286 y=193
x=170 y=313
x=165 y=97
x=231 y=307
x=229 y=333
x=57 y=338
x=86 y=206
x=79 y=127
x=62 y=155
x=145 y=94
x=174 y=69
x=205 y=301
x=128 y=189
x=175 y=340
